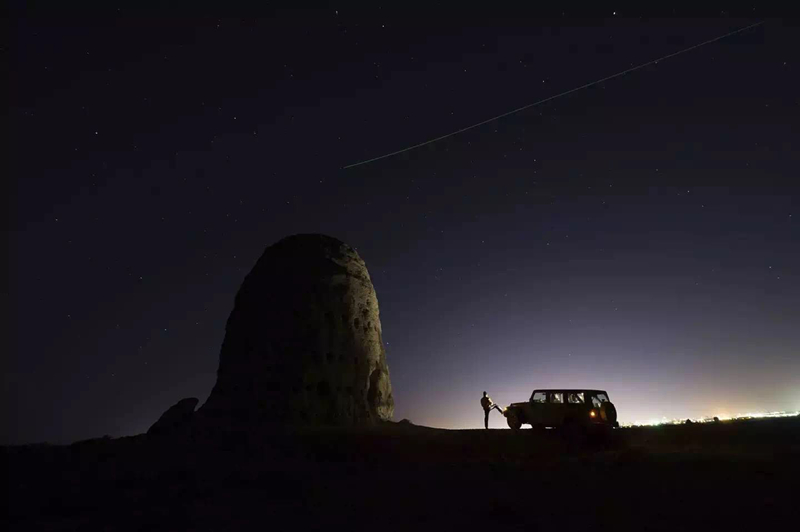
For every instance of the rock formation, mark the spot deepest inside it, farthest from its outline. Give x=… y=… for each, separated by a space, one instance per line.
x=176 y=417
x=303 y=344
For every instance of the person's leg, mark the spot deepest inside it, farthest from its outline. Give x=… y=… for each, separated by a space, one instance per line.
x=486 y=418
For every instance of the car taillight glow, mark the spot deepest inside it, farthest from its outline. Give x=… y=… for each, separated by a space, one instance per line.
x=592 y=413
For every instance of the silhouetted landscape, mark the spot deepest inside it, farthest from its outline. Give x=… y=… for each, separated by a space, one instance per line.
x=297 y=432
x=290 y=260
x=398 y=476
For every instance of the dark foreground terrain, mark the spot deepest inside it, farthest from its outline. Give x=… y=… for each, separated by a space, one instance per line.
x=728 y=476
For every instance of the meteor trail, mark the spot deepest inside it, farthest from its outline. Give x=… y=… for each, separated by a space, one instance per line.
x=618 y=74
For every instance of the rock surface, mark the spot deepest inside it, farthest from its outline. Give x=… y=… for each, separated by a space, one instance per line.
x=176 y=417
x=303 y=343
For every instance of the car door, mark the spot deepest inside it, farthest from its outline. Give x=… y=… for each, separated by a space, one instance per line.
x=538 y=406
x=553 y=409
x=574 y=405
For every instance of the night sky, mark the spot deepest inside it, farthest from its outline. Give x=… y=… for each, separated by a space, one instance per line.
x=639 y=236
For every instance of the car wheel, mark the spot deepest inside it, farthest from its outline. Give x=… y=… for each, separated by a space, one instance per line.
x=608 y=412
x=513 y=421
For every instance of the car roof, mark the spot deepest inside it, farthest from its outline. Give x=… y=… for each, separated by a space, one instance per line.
x=569 y=390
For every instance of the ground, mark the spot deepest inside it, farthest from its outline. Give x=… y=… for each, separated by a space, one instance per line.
x=732 y=475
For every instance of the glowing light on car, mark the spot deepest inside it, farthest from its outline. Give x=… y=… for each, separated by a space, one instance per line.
x=592 y=413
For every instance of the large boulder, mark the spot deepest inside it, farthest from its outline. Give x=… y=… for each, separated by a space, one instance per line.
x=177 y=417
x=303 y=344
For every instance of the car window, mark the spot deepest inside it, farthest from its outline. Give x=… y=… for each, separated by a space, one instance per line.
x=539 y=397
x=598 y=399
x=556 y=397
x=575 y=397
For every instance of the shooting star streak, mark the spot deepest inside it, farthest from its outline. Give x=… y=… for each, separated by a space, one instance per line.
x=559 y=95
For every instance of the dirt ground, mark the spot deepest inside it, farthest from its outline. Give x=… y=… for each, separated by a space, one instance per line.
x=732 y=475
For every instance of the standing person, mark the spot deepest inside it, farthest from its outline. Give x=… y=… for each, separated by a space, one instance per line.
x=488 y=405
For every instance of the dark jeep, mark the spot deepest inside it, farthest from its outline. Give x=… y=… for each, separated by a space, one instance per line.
x=564 y=408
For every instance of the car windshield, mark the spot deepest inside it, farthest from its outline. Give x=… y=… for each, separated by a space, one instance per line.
x=539 y=397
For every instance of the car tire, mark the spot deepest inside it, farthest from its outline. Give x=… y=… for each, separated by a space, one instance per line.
x=609 y=412
x=513 y=421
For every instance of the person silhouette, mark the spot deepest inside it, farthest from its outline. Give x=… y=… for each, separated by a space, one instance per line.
x=488 y=405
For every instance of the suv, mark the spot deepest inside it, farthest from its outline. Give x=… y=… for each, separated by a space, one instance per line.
x=579 y=408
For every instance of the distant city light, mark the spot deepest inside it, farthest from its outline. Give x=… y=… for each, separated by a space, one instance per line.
x=720 y=417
